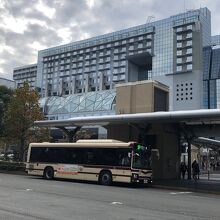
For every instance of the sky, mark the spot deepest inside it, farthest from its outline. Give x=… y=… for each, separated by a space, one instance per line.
x=27 y=26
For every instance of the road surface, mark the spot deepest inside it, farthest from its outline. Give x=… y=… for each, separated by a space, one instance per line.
x=26 y=197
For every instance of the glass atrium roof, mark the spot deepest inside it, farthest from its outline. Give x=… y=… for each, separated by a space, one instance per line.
x=87 y=102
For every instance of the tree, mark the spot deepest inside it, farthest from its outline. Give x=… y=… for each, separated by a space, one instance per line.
x=5 y=95
x=23 y=109
x=83 y=134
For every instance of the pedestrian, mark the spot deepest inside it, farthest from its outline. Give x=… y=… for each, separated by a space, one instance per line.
x=195 y=169
x=183 y=169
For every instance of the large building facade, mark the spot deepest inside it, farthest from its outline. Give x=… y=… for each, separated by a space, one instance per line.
x=26 y=73
x=169 y=51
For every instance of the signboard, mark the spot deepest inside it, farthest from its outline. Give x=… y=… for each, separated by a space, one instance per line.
x=68 y=169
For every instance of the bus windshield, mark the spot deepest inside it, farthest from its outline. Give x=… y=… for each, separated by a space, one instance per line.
x=141 y=157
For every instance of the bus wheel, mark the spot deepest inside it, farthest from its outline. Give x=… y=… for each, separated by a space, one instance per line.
x=105 y=178
x=48 y=173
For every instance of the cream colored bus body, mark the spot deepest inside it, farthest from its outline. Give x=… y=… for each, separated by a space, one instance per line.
x=85 y=172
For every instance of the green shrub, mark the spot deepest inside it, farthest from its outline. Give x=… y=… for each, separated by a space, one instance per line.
x=12 y=166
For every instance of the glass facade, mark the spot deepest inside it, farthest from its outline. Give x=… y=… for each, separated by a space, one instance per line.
x=92 y=103
x=211 y=77
x=215 y=40
x=163 y=48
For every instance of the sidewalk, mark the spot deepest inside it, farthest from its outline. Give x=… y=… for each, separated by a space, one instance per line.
x=212 y=176
x=202 y=185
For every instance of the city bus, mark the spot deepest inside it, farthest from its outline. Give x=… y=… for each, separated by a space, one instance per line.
x=105 y=161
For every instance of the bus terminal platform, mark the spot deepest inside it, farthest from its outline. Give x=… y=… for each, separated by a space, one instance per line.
x=202 y=185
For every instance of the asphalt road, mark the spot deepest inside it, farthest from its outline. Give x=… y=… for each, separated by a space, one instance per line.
x=26 y=197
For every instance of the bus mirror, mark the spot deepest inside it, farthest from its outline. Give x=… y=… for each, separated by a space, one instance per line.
x=129 y=154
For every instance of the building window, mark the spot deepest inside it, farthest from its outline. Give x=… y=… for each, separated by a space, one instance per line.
x=189 y=67
x=149 y=36
x=189 y=59
x=189 y=35
x=189 y=43
x=189 y=51
x=140 y=45
x=189 y=27
x=179 y=52
x=179 y=29
x=149 y=44
x=131 y=47
x=179 y=68
x=140 y=38
x=179 y=45
x=179 y=60
x=179 y=37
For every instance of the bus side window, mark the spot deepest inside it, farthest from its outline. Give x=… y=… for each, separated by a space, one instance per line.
x=90 y=159
x=63 y=156
x=45 y=157
x=36 y=153
x=125 y=161
x=76 y=156
x=123 y=157
x=110 y=157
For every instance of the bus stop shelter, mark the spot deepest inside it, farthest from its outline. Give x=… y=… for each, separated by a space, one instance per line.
x=163 y=132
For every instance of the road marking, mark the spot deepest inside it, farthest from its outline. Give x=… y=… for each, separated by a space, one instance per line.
x=176 y=193
x=116 y=203
x=28 y=189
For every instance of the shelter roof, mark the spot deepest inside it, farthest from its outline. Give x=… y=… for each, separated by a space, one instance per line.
x=205 y=116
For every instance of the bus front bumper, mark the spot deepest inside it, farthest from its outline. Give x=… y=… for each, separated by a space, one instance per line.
x=135 y=178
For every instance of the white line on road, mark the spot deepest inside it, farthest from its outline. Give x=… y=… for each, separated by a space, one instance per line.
x=28 y=189
x=176 y=193
x=116 y=203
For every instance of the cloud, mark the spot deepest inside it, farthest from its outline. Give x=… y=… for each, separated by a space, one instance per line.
x=27 y=26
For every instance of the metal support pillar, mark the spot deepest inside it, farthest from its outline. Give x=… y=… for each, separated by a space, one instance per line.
x=70 y=133
x=189 y=160
x=142 y=131
x=189 y=136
